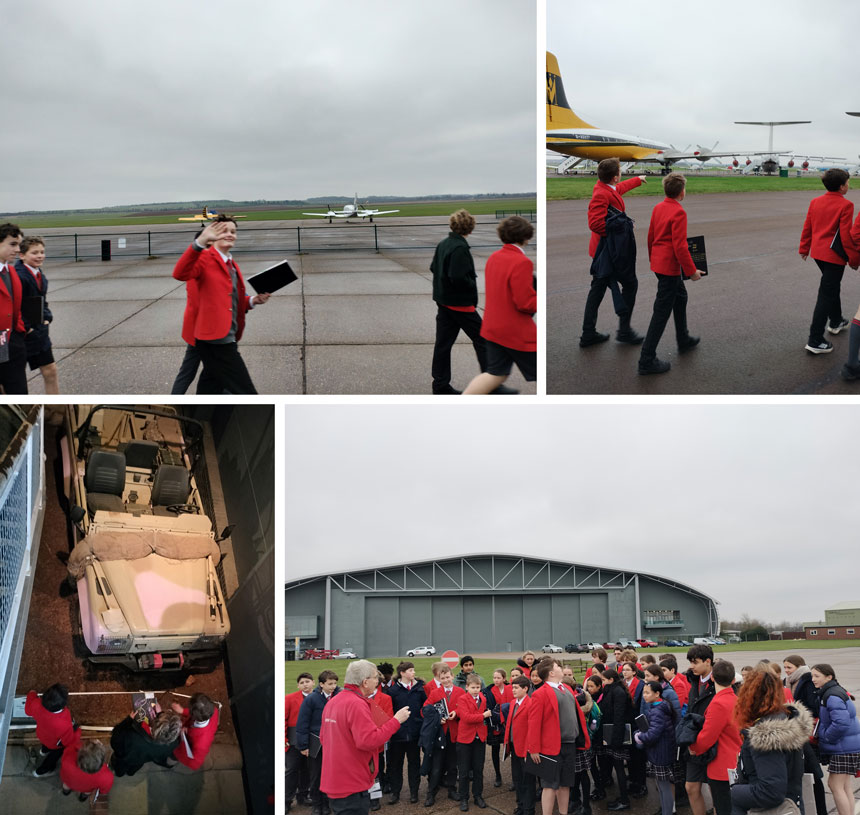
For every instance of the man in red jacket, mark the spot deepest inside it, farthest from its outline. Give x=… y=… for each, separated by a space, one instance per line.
x=827 y=236
x=351 y=741
x=13 y=350
x=720 y=729
x=215 y=314
x=669 y=255
x=607 y=193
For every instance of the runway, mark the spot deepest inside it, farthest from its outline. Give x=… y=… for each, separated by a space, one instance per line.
x=752 y=311
x=356 y=321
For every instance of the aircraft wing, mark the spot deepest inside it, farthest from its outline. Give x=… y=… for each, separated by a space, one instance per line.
x=382 y=211
x=320 y=214
x=708 y=155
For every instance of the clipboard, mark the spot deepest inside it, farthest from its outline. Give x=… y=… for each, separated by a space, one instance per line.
x=273 y=278
x=547 y=769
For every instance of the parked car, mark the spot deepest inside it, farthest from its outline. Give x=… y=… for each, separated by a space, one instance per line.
x=593 y=646
x=421 y=651
x=146 y=551
x=628 y=643
x=718 y=640
x=674 y=643
x=344 y=655
x=685 y=643
x=734 y=639
x=645 y=643
x=610 y=646
x=549 y=648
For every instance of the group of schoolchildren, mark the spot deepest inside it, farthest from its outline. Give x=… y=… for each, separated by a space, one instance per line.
x=750 y=737
x=24 y=338
x=182 y=734
x=828 y=236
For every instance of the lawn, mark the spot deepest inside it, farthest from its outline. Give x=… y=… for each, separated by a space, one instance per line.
x=566 y=189
x=482 y=206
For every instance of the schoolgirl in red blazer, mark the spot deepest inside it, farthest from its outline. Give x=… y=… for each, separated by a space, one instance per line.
x=499 y=693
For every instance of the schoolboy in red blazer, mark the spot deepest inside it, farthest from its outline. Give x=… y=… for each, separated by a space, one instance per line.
x=720 y=729
x=211 y=323
x=471 y=741
x=668 y=253
x=443 y=767
x=828 y=214
x=607 y=193
x=55 y=727
x=13 y=359
x=516 y=745
x=296 y=775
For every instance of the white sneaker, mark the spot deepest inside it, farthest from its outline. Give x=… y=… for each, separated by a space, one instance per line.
x=822 y=348
x=841 y=327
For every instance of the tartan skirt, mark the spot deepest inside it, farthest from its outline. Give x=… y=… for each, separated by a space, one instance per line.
x=661 y=772
x=844 y=763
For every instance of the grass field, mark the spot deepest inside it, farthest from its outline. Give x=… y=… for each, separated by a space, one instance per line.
x=579 y=662
x=483 y=206
x=566 y=189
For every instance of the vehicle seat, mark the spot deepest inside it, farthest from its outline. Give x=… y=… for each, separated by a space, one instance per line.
x=105 y=481
x=172 y=485
x=141 y=454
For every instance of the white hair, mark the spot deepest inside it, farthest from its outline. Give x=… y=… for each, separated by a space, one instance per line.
x=358 y=671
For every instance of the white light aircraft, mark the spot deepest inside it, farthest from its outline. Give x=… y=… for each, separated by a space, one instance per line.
x=352 y=210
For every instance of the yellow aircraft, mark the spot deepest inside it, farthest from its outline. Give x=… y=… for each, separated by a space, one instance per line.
x=566 y=133
x=207 y=215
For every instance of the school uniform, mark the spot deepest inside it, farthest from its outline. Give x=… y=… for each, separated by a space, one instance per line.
x=682 y=687
x=602 y=197
x=13 y=367
x=516 y=737
x=669 y=255
x=308 y=725
x=719 y=728
x=443 y=767
x=471 y=743
x=827 y=214
x=296 y=769
x=37 y=341
x=55 y=731
x=199 y=736
x=77 y=780
x=214 y=323
x=404 y=743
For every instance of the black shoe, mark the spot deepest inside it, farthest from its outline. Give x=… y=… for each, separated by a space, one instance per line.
x=453 y=794
x=83 y=796
x=498 y=781
x=480 y=802
x=306 y=800
x=395 y=797
x=850 y=371
x=375 y=806
x=630 y=337
x=512 y=788
x=823 y=347
x=689 y=343
x=386 y=788
x=617 y=806
x=429 y=800
x=592 y=339
x=445 y=390
x=317 y=810
x=655 y=366
x=597 y=795
x=67 y=792
x=641 y=792
x=503 y=390
x=464 y=805
x=413 y=797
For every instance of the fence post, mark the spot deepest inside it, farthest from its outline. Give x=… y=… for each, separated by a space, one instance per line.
x=299 y=239
x=76 y=247
x=375 y=239
x=148 y=243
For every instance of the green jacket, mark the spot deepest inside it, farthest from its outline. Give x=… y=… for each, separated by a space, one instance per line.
x=454 y=279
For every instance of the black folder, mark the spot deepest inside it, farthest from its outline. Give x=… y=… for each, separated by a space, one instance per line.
x=33 y=310
x=547 y=769
x=836 y=246
x=641 y=722
x=697 y=252
x=273 y=278
x=607 y=734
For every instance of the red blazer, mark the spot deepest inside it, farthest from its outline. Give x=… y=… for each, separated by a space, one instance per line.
x=471 y=716
x=452 y=727
x=682 y=687
x=667 y=239
x=10 y=307
x=544 y=727
x=634 y=683
x=292 y=704
x=199 y=740
x=518 y=727
x=825 y=214
x=52 y=729
x=79 y=781
x=510 y=300
x=209 y=311
x=602 y=196
x=719 y=728
x=383 y=701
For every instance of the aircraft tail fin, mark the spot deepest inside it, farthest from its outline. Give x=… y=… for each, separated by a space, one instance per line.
x=558 y=112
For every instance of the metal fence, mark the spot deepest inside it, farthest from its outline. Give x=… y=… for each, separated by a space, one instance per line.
x=22 y=509
x=279 y=240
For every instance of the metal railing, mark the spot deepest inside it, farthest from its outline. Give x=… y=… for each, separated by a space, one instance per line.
x=275 y=239
x=22 y=510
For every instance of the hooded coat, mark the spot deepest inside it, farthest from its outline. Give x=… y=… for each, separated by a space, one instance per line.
x=770 y=768
x=838 y=726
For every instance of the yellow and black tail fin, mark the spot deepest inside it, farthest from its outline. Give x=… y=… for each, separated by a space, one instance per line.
x=558 y=112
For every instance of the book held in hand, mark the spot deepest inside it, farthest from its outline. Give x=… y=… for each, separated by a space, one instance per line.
x=697 y=252
x=273 y=278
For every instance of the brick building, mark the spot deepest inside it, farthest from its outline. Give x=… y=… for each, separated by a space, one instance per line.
x=841 y=622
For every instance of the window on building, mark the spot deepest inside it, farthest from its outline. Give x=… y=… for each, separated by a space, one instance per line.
x=831 y=632
x=849 y=631
x=813 y=632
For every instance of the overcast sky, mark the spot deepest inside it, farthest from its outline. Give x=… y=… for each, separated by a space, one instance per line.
x=116 y=103
x=755 y=506
x=683 y=72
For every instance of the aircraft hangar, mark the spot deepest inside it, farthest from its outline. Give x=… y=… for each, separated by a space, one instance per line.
x=490 y=603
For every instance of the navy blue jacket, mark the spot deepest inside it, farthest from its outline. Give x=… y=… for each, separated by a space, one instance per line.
x=838 y=726
x=310 y=717
x=659 y=740
x=414 y=699
x=37 y=340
